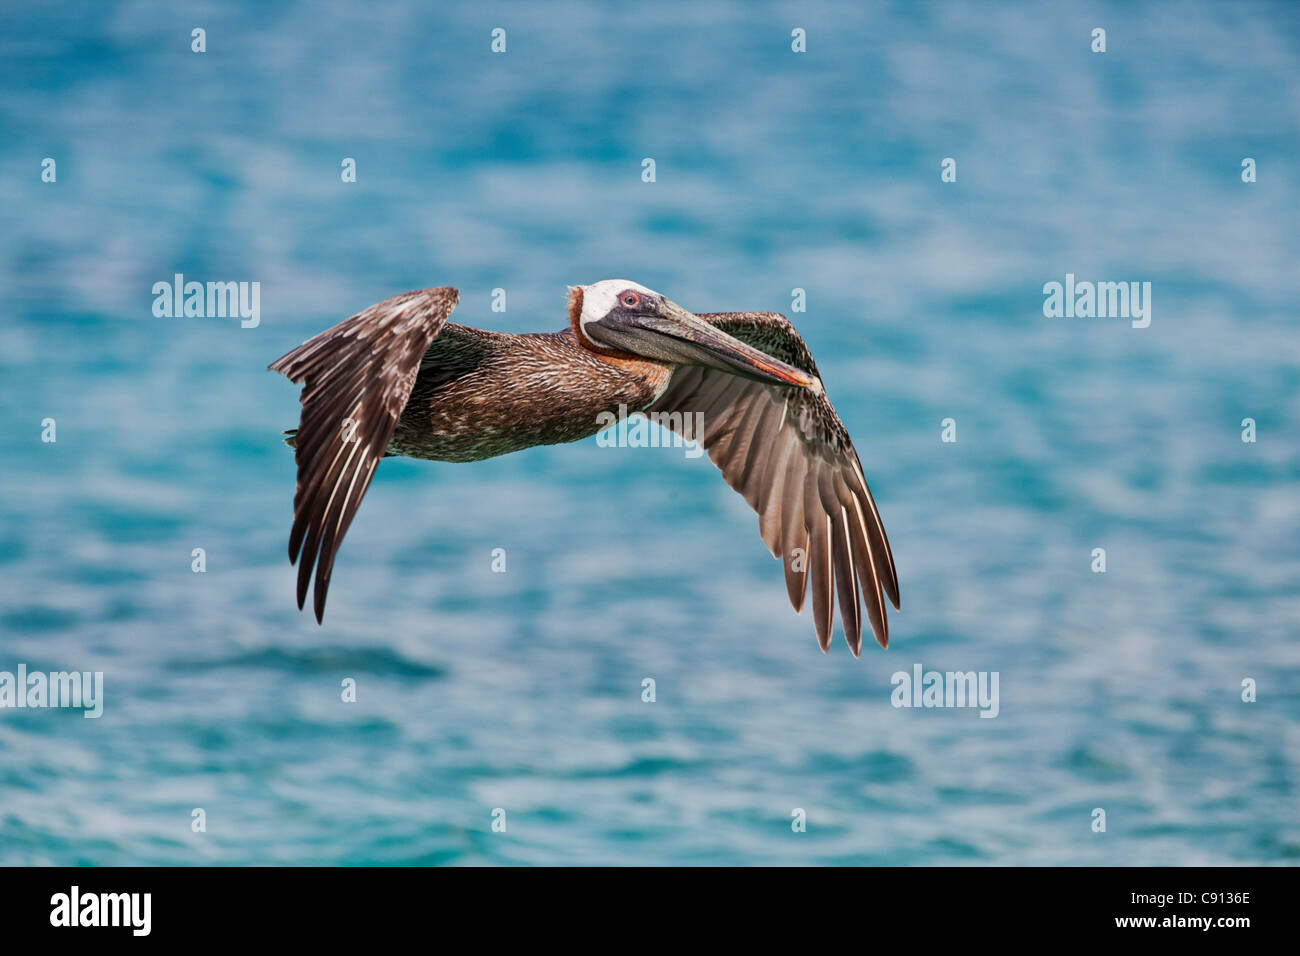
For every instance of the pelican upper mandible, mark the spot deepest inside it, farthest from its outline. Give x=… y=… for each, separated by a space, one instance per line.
x=399 y=379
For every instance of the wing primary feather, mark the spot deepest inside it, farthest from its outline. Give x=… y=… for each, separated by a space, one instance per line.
x=882 y=555
x=846 y=580
x=868 y=574
x=331 y=519
x=771 y=505
x=819 y=563
x=325 y=569
x=794 y=540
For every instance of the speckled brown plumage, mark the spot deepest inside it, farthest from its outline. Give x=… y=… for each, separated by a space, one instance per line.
x=399 y=379
x=481 y=394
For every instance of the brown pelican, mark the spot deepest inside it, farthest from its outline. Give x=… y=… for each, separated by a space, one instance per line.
x=399 y=379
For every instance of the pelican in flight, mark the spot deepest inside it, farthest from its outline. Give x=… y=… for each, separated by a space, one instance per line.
x=399 y=379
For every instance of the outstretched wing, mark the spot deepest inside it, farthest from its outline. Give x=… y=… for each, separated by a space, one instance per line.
x=357 y=378
x=787 y=452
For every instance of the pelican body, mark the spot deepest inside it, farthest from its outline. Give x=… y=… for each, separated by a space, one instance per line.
x=496 y=392
x=399 y=379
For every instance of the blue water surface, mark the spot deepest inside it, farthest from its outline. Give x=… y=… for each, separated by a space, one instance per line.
x=775 y=170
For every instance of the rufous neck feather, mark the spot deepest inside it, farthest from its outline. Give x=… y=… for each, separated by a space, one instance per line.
x=575 y=310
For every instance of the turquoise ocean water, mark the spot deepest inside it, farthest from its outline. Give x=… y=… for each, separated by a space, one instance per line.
x=774 y=171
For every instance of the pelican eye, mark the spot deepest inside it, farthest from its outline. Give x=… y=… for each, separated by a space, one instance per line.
x=631 y=300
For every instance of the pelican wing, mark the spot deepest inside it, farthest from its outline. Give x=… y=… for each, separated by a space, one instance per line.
x=357 y=378
x=787 y=452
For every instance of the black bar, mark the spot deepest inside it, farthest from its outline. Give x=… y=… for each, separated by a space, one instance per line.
x=327 y=905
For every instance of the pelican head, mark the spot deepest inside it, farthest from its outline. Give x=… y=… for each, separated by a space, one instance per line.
x=626 y=317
